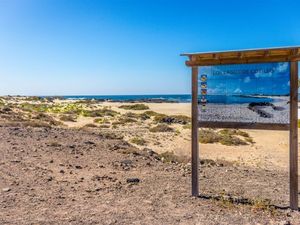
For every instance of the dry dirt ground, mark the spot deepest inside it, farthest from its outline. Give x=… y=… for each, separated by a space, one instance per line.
x=68 y=176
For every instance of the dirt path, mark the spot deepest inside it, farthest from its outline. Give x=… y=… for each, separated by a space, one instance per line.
x=61 y=176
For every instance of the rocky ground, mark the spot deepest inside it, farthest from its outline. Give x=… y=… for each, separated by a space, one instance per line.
x=70 y=176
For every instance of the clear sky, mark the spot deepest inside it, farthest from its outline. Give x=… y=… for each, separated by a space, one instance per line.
x=70 y=47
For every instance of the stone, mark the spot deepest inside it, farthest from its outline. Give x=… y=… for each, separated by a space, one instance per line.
x=126 y=162
x=133 y=180
x=7 y=189
x=89 y=143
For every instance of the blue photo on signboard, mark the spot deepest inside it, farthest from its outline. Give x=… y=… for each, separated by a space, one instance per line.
x=250 y=93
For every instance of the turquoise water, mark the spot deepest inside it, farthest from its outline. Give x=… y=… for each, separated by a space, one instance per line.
x=175 y=98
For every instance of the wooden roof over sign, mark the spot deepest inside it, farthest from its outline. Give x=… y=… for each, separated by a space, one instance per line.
x=283 y=54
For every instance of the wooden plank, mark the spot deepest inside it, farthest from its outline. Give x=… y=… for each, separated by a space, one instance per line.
x=244 y=60
x=281 y=50
x=294 y=136
x=240 y=125
x=195 y=143
x=249 y=56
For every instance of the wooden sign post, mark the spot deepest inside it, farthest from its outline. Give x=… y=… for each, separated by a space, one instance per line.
x=195 y=142
x=289 y=54
x=294 y=135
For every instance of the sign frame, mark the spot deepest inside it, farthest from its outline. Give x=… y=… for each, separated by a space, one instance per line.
x=250 y=56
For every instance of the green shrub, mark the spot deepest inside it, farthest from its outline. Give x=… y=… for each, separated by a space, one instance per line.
x=134 y=107
x=161 y=128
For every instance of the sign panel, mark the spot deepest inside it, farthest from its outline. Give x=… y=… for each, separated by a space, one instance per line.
x=244 y=93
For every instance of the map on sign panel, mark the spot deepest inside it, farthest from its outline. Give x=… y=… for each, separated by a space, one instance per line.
x=245 y=93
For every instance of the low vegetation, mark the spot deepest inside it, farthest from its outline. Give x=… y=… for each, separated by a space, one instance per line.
x=224 y=137
x=151 y=113
x=102 y=120
x=208 y=136
x=170 y=157
x=161 y=128
x=44 y=118
x=138 y=141
x=231 y=140
x=70 y=109
x=100 y=113
x=35 y=123
x=122 y=120
x=179 y=119
x=134 y=107
x=68 y=118
x=90 y=125
x=234 y=132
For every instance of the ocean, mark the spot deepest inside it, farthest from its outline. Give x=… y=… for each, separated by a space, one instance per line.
x=185 y=98
x=175 y=98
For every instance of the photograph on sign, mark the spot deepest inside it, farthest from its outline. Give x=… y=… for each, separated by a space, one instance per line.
x=245 y=93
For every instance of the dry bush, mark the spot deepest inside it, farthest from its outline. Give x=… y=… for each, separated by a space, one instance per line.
x=90 y=125
x=161 y=128
x=35 y=123
x=225 y=137
x=180 y=119
x=68 y=118
x=234 y=132
x=231 y=140
x=208 y=136
x=100 y=112
x=138 y=141
x=172 y=158
x=134 y=107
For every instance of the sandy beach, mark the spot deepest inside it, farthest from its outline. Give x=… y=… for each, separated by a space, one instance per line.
x=103 y=158
x=269 y=150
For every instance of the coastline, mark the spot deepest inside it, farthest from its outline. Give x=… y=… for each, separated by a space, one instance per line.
x=129 y=126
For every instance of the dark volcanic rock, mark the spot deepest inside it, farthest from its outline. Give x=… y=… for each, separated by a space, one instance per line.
x=133 y=180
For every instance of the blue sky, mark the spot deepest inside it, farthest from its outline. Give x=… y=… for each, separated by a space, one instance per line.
x=247 y=79
x=70 y=47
